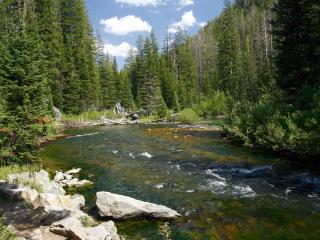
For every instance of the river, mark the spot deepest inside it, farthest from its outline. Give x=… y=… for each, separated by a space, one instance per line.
x=222 y=191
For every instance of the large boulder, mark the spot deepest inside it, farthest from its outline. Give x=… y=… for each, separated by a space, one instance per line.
x=24 y=193
x=49 y=214
x=121 y=207
x=72 y=229
x=40 y=180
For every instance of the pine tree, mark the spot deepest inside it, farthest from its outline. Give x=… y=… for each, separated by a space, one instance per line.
x=125 y=94
x=48 y=14
x=296 y=32
x=229 y=65
x=23 y=82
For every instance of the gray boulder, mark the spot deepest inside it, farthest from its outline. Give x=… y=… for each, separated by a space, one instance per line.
x=72 y=229
x=49 y=214
x=121 y=207
x=40 y=179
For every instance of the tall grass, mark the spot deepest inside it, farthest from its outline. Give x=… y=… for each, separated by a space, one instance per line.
x=12 y=169
x=90 y=116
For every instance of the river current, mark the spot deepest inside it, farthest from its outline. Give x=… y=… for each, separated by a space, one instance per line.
x=222 y=191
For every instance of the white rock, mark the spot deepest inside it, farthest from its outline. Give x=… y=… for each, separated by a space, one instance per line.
x=76 y=183
x=72 y=203
x=59 y=176
x=40 y=178
x=74 y=171
x=147 y=155
x=72 y=229
x=67 y=176
x=29 y=195
x=105 y=231
x=122 y=207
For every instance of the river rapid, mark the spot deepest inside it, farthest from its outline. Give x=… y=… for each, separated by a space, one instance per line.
x=222 y=191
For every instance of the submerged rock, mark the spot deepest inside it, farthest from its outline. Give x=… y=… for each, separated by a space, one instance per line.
x=116 y=206
x=74 y=171
x=147 y=155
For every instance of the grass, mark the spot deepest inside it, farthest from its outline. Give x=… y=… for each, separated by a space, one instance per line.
x=5 y=234
x=147 y=119
x=165 y=231
x=12 y=169
x=88 y=221
x=214 y=122
x=29 y=183
x=89 y=116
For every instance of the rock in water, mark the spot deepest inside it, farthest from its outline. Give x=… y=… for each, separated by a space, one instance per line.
x=74 y=171
x=147 y=155
x=121 y=207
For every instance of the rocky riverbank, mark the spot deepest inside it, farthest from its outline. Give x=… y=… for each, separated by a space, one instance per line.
x=35 y=207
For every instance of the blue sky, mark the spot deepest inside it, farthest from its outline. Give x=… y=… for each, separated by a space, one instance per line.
x=119 y=22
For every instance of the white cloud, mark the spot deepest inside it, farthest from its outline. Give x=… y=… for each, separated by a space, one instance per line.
x=202 y=24
x=125 y=25
x=187 y=21
x=143 y=3
x=120 y=50
x=185 y=3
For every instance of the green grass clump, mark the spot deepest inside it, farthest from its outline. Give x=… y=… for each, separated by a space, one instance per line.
x=14 y=169
x=88 y=221
x=90 y=116
x=188 y=116
x=5 y=234
x=148 y=119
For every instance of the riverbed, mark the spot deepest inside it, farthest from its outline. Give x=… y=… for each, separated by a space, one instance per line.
x=222 y=191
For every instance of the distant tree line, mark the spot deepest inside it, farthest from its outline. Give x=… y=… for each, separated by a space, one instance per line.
x=257 y=63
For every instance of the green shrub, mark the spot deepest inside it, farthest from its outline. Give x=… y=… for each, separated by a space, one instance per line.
x=169 y=115
x=218 y=104
x=188 y=116
x=274 y=124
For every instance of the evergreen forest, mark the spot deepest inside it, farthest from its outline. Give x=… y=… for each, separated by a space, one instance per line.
x=257 y=64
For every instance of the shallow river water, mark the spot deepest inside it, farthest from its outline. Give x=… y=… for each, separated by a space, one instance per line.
x=222 y=191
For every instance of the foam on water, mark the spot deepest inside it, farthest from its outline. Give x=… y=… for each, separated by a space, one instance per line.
x=211 y=173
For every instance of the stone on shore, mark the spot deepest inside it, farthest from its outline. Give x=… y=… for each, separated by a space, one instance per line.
x=40 y=179
x=72 y=229
x=121 y=207
x=72 y=203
